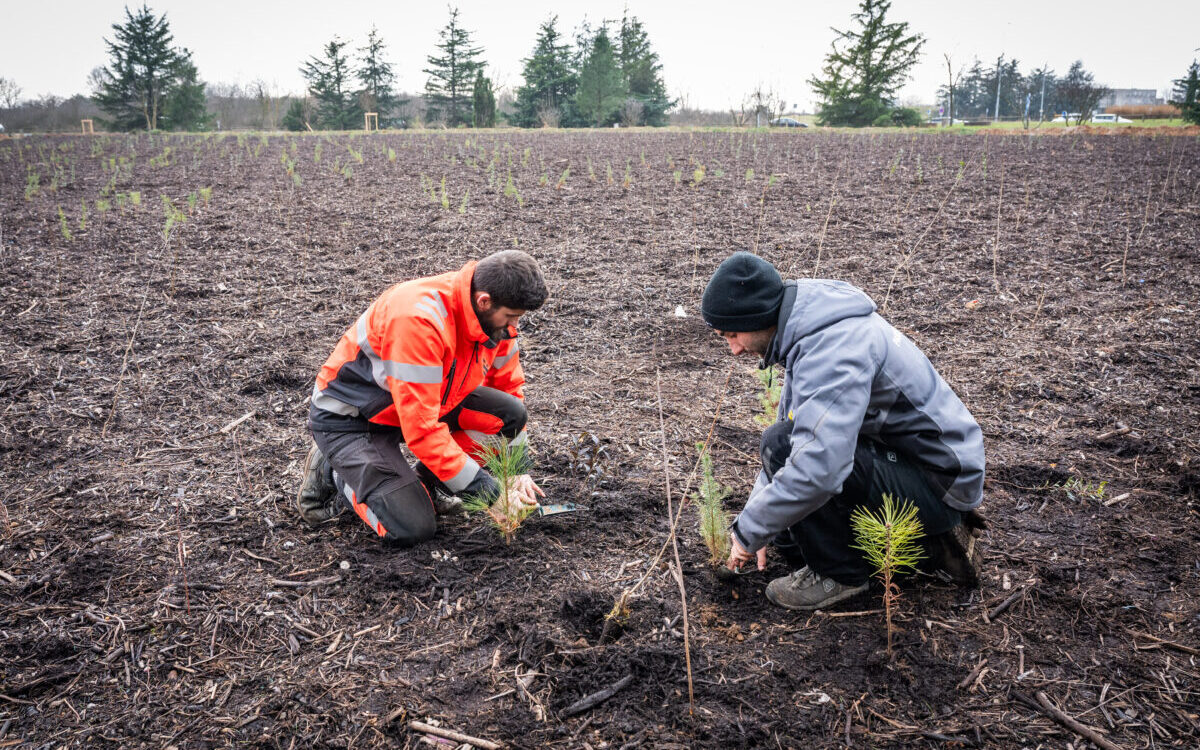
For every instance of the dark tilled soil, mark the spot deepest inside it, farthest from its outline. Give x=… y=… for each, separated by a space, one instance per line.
x=157 y=588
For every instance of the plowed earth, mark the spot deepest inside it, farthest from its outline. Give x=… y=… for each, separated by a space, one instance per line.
x=157 y=588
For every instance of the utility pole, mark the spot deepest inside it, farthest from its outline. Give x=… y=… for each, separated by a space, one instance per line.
x=1042 y=104
x=999 y=75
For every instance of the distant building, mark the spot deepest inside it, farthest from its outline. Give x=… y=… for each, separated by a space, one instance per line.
x=1129 y=98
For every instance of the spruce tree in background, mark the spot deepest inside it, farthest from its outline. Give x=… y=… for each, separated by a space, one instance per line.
x=643 y=72
x=329 y=84
x=378 y=80
x=296 y=118
x=142 y=71
x=451 y=75
x=550 y=82
x=866 y=67
x=1186 y=94
x=483 y=101
x=602 y=88
x=186 y=107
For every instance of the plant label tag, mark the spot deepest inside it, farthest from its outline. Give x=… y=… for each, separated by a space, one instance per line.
x=553 y=510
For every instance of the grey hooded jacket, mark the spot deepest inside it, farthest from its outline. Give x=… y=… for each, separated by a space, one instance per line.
x=848 y=372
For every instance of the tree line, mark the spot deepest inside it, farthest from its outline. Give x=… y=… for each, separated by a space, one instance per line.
x=870 y=61
x=610 y=75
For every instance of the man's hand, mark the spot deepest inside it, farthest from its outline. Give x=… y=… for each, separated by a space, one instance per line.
x=738 y=556
x=523 y=491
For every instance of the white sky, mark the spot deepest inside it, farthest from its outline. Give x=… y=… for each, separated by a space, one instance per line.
x=712 y=52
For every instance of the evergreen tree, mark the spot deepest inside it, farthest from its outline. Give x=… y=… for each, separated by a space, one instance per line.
x=483 y=101
x=1039 y=80
x=296 y=117
x=142 y=71
x=329 y=84
x=642 y=72
x=186 y=106
x=602 y=88
x=377 y=79
x=550 y=82
x=866 y=67
x=451 y=75
x=1186 y=94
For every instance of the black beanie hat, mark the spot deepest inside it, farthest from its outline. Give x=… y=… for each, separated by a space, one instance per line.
x=743 y=295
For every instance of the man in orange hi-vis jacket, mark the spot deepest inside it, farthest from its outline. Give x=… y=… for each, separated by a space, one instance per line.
x=433 y=363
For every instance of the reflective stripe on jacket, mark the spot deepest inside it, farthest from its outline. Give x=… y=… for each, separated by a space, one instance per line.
x=415 y=353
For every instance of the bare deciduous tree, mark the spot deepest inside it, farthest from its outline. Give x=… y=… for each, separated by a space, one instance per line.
x=10 y=93
x=953 y=79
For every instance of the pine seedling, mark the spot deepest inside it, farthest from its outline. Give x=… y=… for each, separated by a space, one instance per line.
x=504 y=461
x=63 y=227
x=772 y=389
x=890 y=543
x=714 y=520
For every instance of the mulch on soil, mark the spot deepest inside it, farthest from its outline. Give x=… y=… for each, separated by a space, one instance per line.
x=157 y=588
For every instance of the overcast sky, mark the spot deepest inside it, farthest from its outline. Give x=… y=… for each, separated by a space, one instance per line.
x=712 y=52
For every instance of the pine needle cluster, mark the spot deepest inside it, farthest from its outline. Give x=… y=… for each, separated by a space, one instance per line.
x=504 y=461
x=714 y=520
x=772 y=389
x=891 y=544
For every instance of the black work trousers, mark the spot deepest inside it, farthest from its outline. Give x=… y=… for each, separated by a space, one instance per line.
x=822 y=540
x=393 y=498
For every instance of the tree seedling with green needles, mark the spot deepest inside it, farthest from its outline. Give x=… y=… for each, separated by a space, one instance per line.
x=890 y=542
x=504 y=461
x=772 y=389
x=714 y=520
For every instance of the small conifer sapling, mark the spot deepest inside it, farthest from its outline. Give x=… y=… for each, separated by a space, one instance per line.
x=890 y=542
x=772 y=390
x=714 y=520
x=505 y=461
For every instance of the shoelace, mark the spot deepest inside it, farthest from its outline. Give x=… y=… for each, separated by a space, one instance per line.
x=804 y=574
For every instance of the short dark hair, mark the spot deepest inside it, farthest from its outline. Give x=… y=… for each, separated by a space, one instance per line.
x=513 y=280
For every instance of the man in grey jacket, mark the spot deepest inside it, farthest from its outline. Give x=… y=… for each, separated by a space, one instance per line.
x=862 y=414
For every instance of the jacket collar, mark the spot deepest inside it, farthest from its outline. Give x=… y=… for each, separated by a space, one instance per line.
x=466 y=311
x=774 y=354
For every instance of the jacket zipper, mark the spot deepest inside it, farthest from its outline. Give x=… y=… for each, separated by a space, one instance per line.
x=474 y=355
x=449 y=382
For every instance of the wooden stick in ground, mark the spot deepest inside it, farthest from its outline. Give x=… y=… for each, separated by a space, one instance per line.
x=917 y=245
x=124 y=365
x=637 y=585
x=450 y=734
x=1091 y=735
x=996 y=244
x=687 y=650
x=598 y=697
x=1000 y=608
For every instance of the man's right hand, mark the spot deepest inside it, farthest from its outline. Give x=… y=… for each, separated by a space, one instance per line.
x=738 y=556
x=522 y=493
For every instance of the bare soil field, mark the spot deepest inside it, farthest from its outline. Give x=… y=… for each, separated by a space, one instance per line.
x=157 y=588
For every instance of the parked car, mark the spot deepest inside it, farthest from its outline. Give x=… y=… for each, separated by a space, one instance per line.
x=788 y=122
x=1109 y=118
x=944 y=121
x=1072 y=116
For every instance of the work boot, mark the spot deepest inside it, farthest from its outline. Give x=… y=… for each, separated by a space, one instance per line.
x=805 y=590
x=960 y=554
x=444 y=503
x=317 y=499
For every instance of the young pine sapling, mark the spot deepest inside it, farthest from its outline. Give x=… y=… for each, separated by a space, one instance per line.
x=772 y=389
x=504 y=461
x=890 y=541
x=714 y=520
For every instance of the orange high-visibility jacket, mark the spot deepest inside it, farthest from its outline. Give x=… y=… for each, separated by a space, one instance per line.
x=410 y=359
